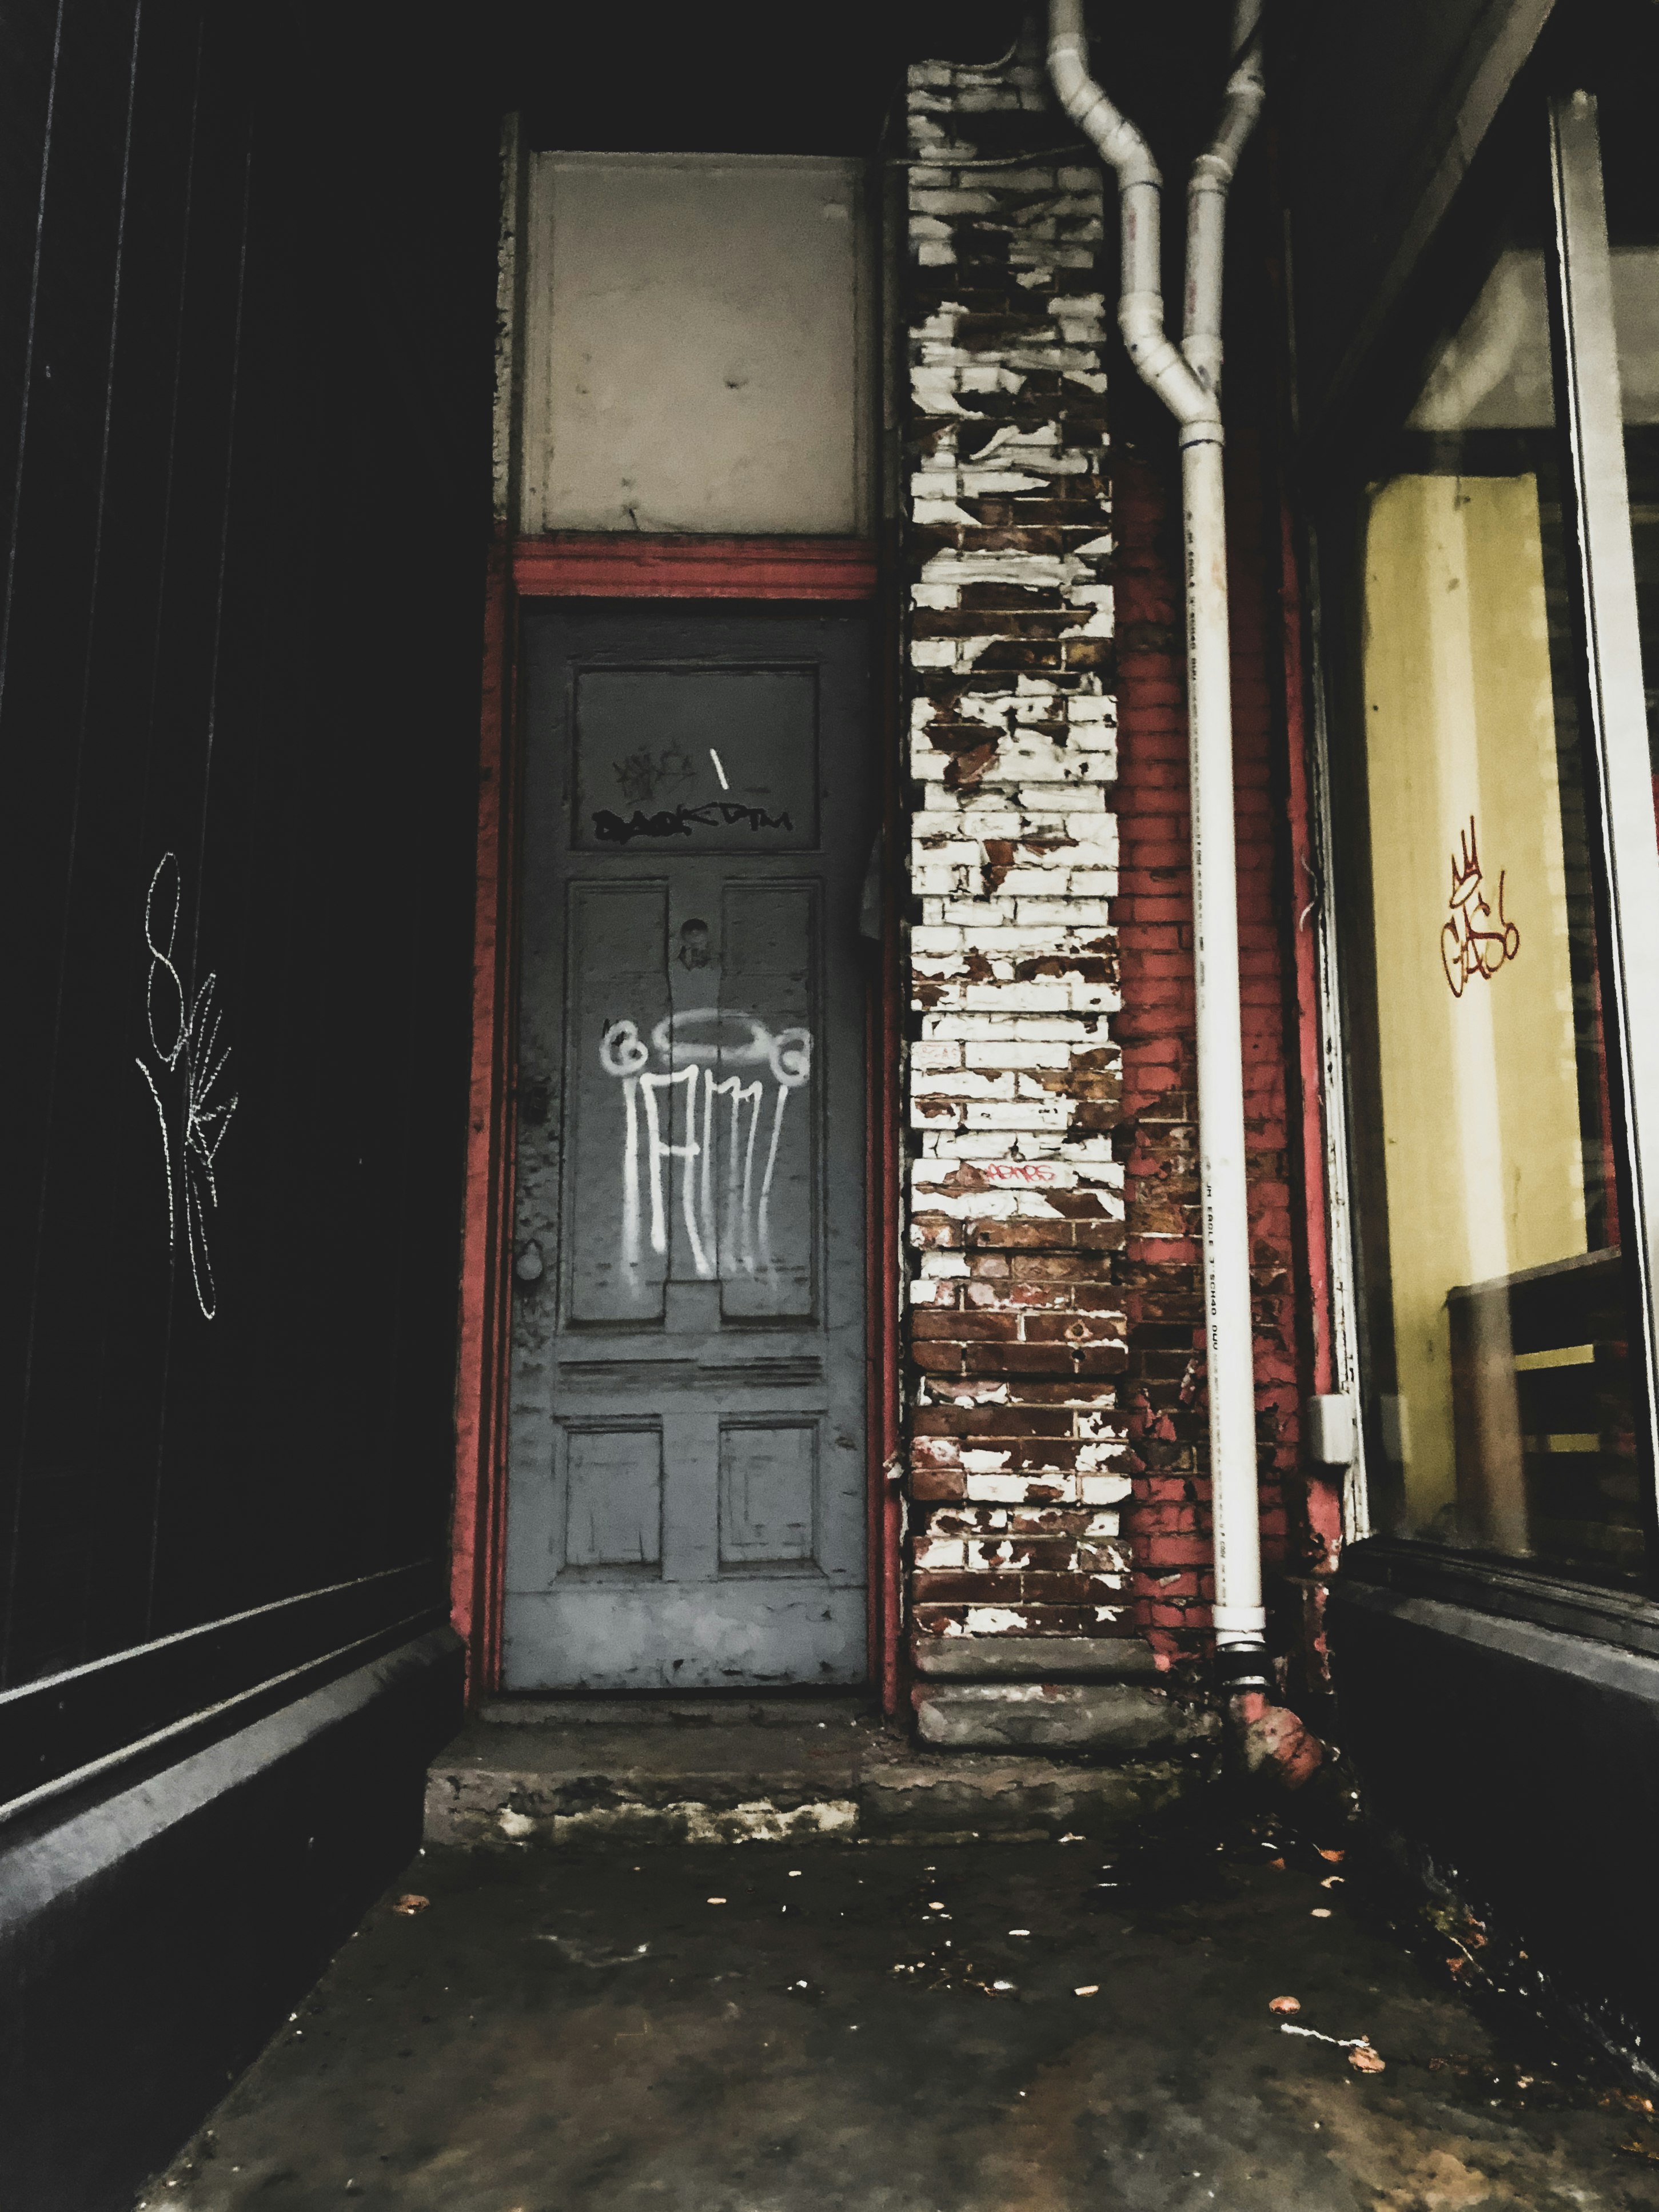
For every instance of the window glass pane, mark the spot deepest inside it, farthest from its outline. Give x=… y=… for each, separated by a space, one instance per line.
x=1500 y=1391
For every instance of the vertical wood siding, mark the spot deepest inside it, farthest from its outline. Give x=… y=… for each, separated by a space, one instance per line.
x=245 y=325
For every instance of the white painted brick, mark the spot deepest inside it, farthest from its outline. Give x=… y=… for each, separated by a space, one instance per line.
x=1104 y=1489
x=935 y=939
x=962 y=1083
x=1093 y=915
x=928 y=202
x=1005 y=1024
x=989 y=1048
x=1009 y=1052
x=939 y=1551
x=995 y=1620
x=1004 y=1489
x=1016 y=1114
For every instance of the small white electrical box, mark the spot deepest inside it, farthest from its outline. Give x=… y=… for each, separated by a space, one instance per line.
x=1332 y=1430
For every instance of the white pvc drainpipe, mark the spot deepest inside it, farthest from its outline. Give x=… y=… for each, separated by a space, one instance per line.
x=1189 y=381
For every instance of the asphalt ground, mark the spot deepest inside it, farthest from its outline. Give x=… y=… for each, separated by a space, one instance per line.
x=983 y=2028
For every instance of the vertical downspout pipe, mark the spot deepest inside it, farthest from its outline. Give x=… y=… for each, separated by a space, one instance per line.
x=1188 y=380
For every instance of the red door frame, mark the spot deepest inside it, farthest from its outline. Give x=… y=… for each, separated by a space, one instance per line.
x=804 y=570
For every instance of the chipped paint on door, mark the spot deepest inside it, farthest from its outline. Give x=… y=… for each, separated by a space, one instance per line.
x=686 y=1499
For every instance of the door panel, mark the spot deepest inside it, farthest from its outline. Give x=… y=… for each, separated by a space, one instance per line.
x=613 y=1498
x=616 y=938
x=686 y=1502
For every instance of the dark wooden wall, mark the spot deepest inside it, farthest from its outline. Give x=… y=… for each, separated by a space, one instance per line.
x=246 y=300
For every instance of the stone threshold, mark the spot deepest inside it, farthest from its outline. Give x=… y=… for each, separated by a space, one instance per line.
x=570 y=1771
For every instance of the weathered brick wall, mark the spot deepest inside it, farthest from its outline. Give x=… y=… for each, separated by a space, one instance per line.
x=1056 y=1465
x=1163 y=1407
x=1017 y=1476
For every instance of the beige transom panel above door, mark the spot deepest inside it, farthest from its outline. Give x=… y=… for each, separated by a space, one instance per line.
x=696 y=351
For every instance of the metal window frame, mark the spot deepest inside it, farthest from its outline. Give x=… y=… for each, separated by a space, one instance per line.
x=1346 y=1372
x=1629 y=849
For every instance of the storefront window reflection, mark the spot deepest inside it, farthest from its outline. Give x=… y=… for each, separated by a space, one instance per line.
x=1500 y=1402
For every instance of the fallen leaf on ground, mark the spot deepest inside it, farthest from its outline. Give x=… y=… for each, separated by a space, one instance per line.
x=1319 y=1912
x=1087 y=1989
x=1648 y=2151
x=1364 y=2060
x=714 y=1900
x=1335 y=1858
x=410 y=1905
x=1284 y=2004
x=1332 y=1881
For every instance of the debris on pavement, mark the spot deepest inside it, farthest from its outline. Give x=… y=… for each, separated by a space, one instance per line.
x=1363 y=2055
x=492 y=2053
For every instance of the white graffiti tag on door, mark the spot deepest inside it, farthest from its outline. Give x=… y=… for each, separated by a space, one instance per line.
x=726 y=1180
x=190 y=1063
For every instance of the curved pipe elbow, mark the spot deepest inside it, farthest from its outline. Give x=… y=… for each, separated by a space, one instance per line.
x=1245 y=97
x=1160 y=363
x=1115 y=138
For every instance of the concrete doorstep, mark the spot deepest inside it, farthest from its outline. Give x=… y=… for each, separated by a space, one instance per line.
x=788 y=1770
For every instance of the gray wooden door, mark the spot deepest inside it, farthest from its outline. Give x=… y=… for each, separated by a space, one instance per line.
x=686 y=1495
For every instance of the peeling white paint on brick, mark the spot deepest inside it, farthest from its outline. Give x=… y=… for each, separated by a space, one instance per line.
x=993 y=1620
x=1013 y=756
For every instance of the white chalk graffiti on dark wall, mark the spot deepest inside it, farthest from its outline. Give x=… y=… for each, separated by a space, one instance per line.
x=729 y=1127
x=185 y=1082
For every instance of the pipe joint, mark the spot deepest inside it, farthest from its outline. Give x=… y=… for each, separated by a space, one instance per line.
x=1240 y=1667
x=1241 y=1648
x=1238 y=1623
x=1159 y=362
x=1206 y=432
x=1204 y=358
x=1211 y=172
